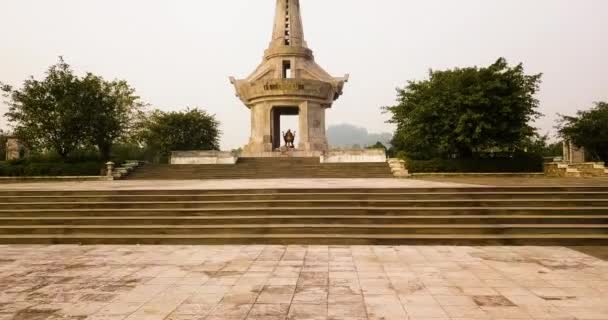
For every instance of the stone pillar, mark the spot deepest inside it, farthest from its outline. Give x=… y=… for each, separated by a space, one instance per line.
x=312 y=127
x=13 y=149
x=574 y=153
x=261 y=138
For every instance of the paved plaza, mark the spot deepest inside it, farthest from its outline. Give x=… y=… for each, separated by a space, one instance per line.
x=301 y=282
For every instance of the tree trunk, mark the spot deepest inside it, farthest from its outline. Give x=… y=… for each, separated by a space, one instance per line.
x=105 y=151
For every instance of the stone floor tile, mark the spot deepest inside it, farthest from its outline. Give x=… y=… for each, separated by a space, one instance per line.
x=466 y=312
x=194 y=309
x=119 y=308
x=344 y=298
x=384 y=307
x=98 y=317
x=268 y=312
x=454 y=300
x=311 y=295
x=426 y=312
x=478 y=291
x=506 y=313
x=307 y=312
x=313 y=279
x=228 y=311
x=274 y=281
x=350 y=310
x=276 y=294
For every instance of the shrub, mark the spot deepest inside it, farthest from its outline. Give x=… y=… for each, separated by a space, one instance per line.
x=522 y=163
x=31 y=169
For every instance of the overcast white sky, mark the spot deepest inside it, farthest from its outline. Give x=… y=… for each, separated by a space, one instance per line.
x=180 y=53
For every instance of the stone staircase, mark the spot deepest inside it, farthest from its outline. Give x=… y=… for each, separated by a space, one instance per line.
x=518 y=215
x=590 y=169
x=576 y=170
x=264 y=168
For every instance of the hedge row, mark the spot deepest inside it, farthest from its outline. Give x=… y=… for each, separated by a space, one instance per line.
x=33 y=169
x=520 y=164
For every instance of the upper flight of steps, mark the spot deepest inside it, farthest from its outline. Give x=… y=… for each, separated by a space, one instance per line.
x=264 y=168
x=522 y=215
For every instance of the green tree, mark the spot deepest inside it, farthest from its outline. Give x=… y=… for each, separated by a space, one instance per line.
x=555 y=149
x=540 y=145
x=461 y=112
x=193 y=129
x=377 y=145
x=48 y=113
x=112 y=108
x=3 y=140
x=588 y=129
x=65 y=112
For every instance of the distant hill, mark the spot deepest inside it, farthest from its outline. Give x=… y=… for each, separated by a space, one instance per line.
x=347 y=135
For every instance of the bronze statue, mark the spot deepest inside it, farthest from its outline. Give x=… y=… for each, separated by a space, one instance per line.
x=289 y=138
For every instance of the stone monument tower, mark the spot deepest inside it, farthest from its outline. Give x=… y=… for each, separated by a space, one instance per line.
x=288 y=82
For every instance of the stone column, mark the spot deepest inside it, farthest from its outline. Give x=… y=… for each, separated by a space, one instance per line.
x=261 y=139
x=312 y=127
x=566 y=150
x=13 y=149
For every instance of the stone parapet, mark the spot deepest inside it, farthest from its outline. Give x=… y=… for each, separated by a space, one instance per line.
x=203 y=157
x=556 y=169
x=590 y=169
x=283 y=154
x=353 y=156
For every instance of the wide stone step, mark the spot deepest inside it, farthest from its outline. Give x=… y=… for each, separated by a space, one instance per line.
x=311 y=228
x=464 y=191
x=265 y=168
x=304 y=196
x=539 y=215
x=329 y=211
x=311 y=204
x=306 y=219
x=314 y=238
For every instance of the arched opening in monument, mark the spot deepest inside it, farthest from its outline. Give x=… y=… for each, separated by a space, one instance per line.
x=284 y=118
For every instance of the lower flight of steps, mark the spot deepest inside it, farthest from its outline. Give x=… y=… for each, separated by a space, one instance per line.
x=478 y=216
x=264 y=168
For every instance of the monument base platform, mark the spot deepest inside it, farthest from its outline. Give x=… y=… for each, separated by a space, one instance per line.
x=226 y=157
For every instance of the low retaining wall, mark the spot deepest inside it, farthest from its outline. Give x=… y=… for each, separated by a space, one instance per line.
x=225 y=157
x=351 y=156
x=202 y=157
x=478 y=174
x=283 y=154
x=590 y=169
x=54 y=179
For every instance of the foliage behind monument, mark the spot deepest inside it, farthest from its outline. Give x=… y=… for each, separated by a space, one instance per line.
x=465 y=112
x=195 y=129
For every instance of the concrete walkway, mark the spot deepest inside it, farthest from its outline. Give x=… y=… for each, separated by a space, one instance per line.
x=231 y=184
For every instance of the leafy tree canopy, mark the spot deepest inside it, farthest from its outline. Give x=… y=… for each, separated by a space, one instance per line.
x=48 y=113
x=377 y=145
x=588 y=129
x=64 y=112
x=113 y=109
x=193 y=129
x=3 y=140
x=465 y=111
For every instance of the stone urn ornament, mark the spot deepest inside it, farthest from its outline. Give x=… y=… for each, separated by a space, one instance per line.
x=289 y=138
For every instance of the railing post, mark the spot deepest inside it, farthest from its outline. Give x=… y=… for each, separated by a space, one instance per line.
x=110 y=169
